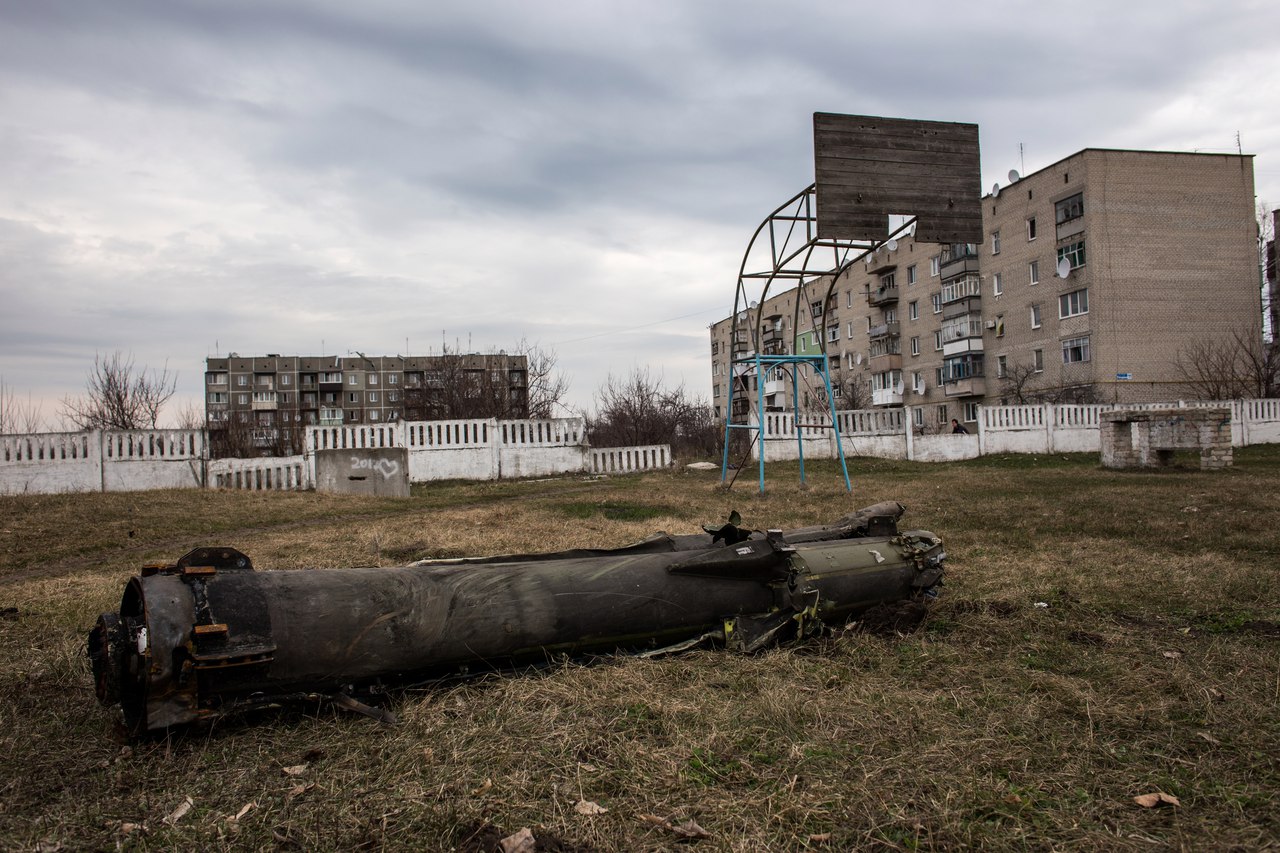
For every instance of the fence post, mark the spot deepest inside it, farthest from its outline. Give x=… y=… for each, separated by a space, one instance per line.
x=1050 y=415
x=982 y=430
x=907 y=422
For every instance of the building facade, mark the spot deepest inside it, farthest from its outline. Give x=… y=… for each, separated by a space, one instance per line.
x=263 y=402
x=1095 y=276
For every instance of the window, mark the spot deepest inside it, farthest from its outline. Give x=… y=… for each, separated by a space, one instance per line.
x=995 y=242
x=913 y=310
x=970 y=412
x=217 y=397
x=815 y=308
x=887 y=280
x=393 y=396
x=373 y=396
x=715 y=347
x=848 y=298
x=833 y=333
x=935 y=264
x=373 y=379
x=915 y=346
x=284 y=379
x=942 y=413
x=939 y=376
x=1069 y=209
x=1073 y=304
x=1031 y=228
x=1075 y=350
x=353 y=397
x=1037 y=360
x=997 y=285
x=283 y=397
x=937 y=303
x=1033 y=272
x=242 y=399
x=937 y=341
x=217 y=378
x=1035 y=316
x=715 y=390
x=911 y=275
x=1073 y=252
x=891 y=315
x=917 y=416
x=353 y=380
x=242 y=380
x=849 y=330
x=393 y=379
x=373 y=414
x=1002 y=366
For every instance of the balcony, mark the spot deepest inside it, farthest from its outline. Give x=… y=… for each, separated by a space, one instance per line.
x=974 y=386
x=888 y=396
x=961 y=346
x=884 y=330
x=264 y=401
x=884 y=362
x=961 y=288
x=885 y=294
x=959 y=258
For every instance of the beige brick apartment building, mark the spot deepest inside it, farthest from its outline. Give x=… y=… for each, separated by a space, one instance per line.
x=1157 y=249
x=262 y=399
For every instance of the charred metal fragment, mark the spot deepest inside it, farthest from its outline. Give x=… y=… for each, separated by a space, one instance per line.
x=210 y=635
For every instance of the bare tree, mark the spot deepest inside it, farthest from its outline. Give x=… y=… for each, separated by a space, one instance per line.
x=546 y=387
x=118 y=396
x=638 y=409
x=1236 y=367
x=1018 y=384
x=17 y=416
x=189 y=417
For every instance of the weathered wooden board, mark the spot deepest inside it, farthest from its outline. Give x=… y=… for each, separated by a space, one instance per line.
x=867 y=167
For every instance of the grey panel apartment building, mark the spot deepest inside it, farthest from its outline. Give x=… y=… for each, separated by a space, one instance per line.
x=272 y=394
x=1159 y=252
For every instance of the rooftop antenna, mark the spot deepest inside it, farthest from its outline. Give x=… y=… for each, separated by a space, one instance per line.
x=1022 y=160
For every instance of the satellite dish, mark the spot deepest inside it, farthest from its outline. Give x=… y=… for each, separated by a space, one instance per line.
x=857 y=358
x=1013 y=176
x=995 y=189
x=753 y=303
x=1064 y=268
x=893 y=245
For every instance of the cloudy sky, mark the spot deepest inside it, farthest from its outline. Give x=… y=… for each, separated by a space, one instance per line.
x=183 y=178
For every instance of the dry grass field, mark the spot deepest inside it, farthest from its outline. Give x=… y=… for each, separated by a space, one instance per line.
x=1102 y=635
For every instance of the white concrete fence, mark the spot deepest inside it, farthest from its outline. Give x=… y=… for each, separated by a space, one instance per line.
x=486 y=449
x=107 y=461
x=1041 y=428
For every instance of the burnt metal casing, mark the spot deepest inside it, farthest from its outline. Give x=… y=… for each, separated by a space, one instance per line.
x=210 y=635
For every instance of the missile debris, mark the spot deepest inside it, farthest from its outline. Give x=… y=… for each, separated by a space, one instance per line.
x=210 y=635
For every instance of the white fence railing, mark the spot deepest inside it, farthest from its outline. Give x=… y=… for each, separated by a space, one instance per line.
x=1040 y=428
x=481 y=449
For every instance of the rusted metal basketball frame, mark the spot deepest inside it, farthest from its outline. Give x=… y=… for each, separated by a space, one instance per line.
x=795 y=257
